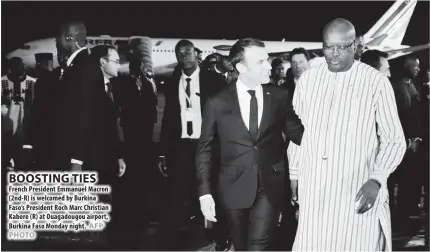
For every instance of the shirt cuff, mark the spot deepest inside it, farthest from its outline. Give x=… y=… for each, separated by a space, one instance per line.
x=206 y=196
x=27 y=147
x=379 y=177
x=74 y=161
x=294 y=174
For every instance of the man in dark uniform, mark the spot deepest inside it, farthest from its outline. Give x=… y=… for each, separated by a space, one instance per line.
x=137 y=99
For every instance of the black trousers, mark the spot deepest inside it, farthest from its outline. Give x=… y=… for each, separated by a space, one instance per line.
x=253 y=228
x=131 y=191
x=182 y=187
x=410 y=177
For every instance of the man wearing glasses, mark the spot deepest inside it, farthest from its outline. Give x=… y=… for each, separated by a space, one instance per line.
x=352 y=143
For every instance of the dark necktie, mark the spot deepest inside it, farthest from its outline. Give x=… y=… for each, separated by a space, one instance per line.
x=253 y=116
x=188 y=92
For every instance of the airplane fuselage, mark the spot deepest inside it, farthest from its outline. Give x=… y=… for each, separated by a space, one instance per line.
x=163 y=49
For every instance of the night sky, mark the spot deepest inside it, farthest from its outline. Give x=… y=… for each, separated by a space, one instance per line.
x=294 y=21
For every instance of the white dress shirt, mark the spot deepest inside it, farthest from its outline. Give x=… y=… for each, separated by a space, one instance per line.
x=193 y=114
x=106 y=82
x=218 y=71
x=245 y=100
x=245 y=103
x=72 y=57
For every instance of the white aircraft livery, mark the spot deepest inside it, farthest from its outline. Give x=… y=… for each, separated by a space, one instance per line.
x=385 y=35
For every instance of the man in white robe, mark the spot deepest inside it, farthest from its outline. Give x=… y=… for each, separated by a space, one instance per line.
x=353 y=141
x=17 y=94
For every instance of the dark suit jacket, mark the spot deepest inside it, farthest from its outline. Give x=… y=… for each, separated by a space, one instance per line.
x=408 y=107
x=242 y=160
x=88 y=119
x=171 y=128
x=7 y=141
x=42 y=122
x=138 y=108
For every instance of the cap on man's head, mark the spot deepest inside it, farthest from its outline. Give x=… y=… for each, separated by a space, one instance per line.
x=43 y=56
x=276 y=62
x=15 y=62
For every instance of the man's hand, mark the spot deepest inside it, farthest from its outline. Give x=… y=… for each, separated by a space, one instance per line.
x=294 y=195
x=415 y=143
x=122 y=167
x=207 y=205
x=162 y=167
x=4 y=110
x=75 y=167
x=368 y=193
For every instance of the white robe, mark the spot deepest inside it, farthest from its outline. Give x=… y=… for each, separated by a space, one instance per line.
x=17 y=111
x=352 y=134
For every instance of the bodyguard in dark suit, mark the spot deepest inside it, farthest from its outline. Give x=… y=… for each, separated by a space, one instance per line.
x=67 y=151
x=42 y=119
x=136 y=97
x=409 y=101
x=65 y=102
x=186 y=93
x=137 y=100
x=248 y=118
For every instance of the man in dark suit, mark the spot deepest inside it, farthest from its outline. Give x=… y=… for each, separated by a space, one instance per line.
x=409 y=101
x=248 y=118
x=73 y=56
x=42 y=119
x=105 y=154
x=186 y=94
x=136 y=96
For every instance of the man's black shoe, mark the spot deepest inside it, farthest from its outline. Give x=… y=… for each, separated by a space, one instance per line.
x=223 y=246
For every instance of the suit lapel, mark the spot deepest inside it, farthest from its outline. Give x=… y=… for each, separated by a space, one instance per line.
x=265 y=119
x=81 y=56
x=203 y=91
x=235 y=107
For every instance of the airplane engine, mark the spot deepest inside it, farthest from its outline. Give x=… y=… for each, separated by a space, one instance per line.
x=141 y=47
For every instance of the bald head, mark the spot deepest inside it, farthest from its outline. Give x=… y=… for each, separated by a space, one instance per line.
x=339 y=45
x=339 y=25
x=77 y=29
x=410 y=59
x=412 y=66
x=71 y=37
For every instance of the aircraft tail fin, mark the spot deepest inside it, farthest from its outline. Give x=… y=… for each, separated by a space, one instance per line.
x=389 y=30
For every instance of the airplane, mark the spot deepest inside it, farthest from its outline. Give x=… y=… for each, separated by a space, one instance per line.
x=158 y=54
